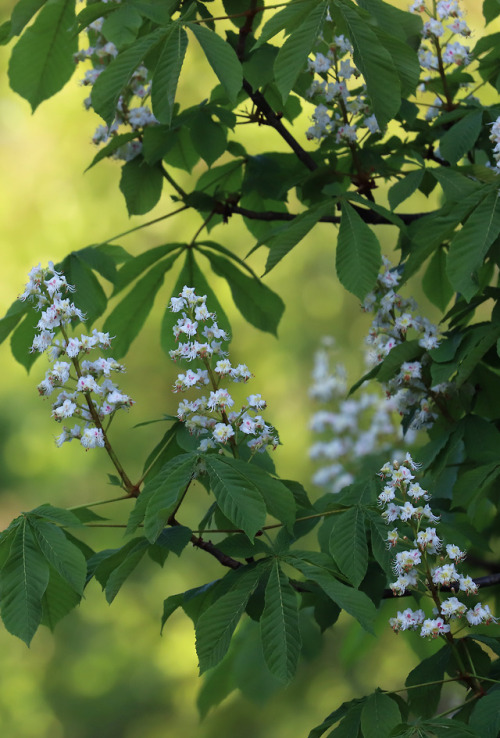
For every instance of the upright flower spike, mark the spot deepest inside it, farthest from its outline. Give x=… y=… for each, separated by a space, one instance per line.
x=85 y=392
x=422 y=562
x=212 y=418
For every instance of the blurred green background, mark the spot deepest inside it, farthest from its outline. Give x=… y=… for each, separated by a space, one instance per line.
x=106 y=672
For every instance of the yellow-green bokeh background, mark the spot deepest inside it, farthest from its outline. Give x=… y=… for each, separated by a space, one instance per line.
x=106 y=672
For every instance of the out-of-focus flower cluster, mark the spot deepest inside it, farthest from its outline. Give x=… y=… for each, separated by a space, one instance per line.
x=423 y=561
x=351 y=428
x=439 y=49
x=212 y=417
x=129 y=115
x=339 y=93
x=396 y=320
x=85 y=390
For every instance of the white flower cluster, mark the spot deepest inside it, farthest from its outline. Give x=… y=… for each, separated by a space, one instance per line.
x=88 y=393
x=212 y=417
x=395 y=321
x=340 y=96
x=495 y=138
x=101 y=53
x=422 y=558
x=351 y=428
x=438 y=47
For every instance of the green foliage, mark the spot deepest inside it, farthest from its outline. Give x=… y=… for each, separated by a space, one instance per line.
x=294 y=562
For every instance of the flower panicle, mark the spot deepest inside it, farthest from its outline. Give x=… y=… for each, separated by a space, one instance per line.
x=422 y=560
x=84 y=388
x=213 y=417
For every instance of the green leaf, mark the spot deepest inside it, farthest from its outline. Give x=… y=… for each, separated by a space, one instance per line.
x=174 y=539
x=291 y=59
x=424 y=699
x=217 y=623
x=116 y=142
x=348 y=544
x=127 y=318
x=351 y=600
x=335 y=716
x=403 y=188
x=22 y=340
x=209 y=138
x=279 y=500
x=470 y=245
x=485 y=718
x=455 y=186
x=491 y=10
x=290 y=235
x=181 y=152
x=120 y=573
x=58 y=600
x=435 y=281
x=136 y=266
x=222 y=58
x=379 y=716
x=89 y=296
x=42 y=60
x=57 y=515
x=406 y=351
x=22 y=13
x=374 y=62
x=14 y=314
x=109 y=85
x=461 y=137
x=141 y=184
x=24 y=579
x=288 y=17
x=166 y=74
x=237 y=494
x=168 y=487
x=122 y=26
x=358 y=257
x=257 y=303
x=66 y=558
x=279 y=625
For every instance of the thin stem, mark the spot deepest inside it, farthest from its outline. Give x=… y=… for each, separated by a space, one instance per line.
x=146 y=225
x=174 y=184
x=99 y=502
x=458 y=707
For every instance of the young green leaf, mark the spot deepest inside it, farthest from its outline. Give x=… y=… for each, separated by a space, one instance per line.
x=42 y=60
x=279 y=625
x=358 y=257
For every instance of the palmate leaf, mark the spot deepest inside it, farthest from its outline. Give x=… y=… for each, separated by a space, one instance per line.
x=217 y=623
x=257 y=303
x=66 y=558
x=461 y=137
x=374 y=62
x=279 y=625
x=237 y=494
x=42 y=60
x=485 y=718
x=358 y=257
x=167 y=72
x=351 y=600
x=470 y=244
x=424 y=699
x=165 y=490
x=109 y=85
x=292 y=56
x=128 y=317
x=24 y=579
x=141 y=184
x=222 y=58
x=59 y=599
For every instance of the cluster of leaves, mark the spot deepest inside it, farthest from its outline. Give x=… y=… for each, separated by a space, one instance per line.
x=265 y=80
